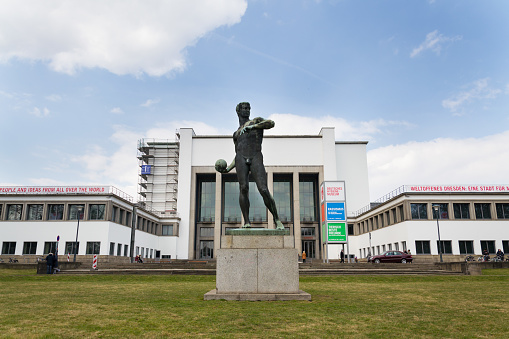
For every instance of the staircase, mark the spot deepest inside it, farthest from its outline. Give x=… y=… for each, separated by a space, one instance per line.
x=195 y=267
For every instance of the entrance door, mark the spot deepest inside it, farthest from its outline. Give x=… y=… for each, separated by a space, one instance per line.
x=206 y=249
x=309 y=247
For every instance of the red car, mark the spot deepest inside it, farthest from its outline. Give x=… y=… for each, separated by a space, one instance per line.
x=391 y=256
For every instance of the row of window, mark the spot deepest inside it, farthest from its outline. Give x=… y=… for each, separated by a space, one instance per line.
x=465 y=246
x=421 y=211
x=423 y=247
x=56 y=211
x=71 y=247
x=30 y=247
x=282 y=193
x=481 y=210
x=68 y=211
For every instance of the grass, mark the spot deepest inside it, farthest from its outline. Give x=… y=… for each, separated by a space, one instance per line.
x=65 y=306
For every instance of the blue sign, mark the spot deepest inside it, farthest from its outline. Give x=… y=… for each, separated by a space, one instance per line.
x=335 y=211
x=146 y=169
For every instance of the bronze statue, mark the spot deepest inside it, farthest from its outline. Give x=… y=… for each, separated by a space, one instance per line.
x=249 y=159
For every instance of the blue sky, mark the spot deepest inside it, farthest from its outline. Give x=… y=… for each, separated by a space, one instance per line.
x=425 y=82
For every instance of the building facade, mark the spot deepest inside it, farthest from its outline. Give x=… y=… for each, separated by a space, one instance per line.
x=185 y=206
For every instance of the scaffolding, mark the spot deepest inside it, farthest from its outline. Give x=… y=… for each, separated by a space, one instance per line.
x=158 y=168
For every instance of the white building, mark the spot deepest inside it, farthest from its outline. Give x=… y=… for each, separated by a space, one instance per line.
x=185 y=205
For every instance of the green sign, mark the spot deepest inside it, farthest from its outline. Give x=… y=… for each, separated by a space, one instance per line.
x=336 y=232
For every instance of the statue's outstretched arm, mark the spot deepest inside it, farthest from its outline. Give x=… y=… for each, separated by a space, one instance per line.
x=232 y=166
x=258 y=123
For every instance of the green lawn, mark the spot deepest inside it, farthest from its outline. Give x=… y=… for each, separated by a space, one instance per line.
x=172 y=306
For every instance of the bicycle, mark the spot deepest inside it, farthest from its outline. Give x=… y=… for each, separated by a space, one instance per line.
x=11 y=260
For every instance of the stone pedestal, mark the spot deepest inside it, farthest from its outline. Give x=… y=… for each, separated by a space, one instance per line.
x=257 y=267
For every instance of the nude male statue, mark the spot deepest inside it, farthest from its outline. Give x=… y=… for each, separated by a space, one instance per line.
x=249 y=159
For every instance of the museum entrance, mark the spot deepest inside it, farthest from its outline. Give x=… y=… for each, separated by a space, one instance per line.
x=309 y=247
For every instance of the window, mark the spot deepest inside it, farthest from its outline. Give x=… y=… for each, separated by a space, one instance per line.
x=14 y=212
x=8 y=247
x=488 y=245
x=35 y=212
x=50 y=247
x=207 y=203
x=482 y=211
x=206 y=249
x=401 y=213
x=126 y=250
x=502 y=211
x=121 y=217
x=167 y=230
x=466 y=246
x=422 y=247
x=283 y=197
x=29 y=247
x=69 y=247
x=1 y=211
x=307 y=198
x=112 y=248
x=350 y=229
x=231 y=211
x=443 y=210
x=96 y=212
x=403 y=244
x=56 y=212
x=128 y=218
x=505 y=246
x=93 y=247
x=114 y=214
x=446 y=247
x=206 y=231
x=461 y=211
x=119 y=250
x=307 y=232
x=419 y=211
x=76 y=211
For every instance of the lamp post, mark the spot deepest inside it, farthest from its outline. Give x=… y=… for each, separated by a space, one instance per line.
x=77 y=230
x=437 y=211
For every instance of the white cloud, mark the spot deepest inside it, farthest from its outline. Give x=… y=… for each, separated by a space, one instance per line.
x=40 y=113
x=54 y=97
x=124 y=38
x=150 y=102
x=440 y=161
x=117 y=110
x=434 y=42
x=477 y=90
x=290 y=124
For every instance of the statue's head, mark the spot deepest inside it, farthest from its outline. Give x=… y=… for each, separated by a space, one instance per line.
x=243 y=109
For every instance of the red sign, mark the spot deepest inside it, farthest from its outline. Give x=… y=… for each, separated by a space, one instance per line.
x=457 y=188
x=54 y=189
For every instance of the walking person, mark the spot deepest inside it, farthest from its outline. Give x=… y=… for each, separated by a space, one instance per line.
x=342 y=256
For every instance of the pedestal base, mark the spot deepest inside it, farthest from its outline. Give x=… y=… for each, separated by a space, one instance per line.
x=257 y=267
x=214 y=295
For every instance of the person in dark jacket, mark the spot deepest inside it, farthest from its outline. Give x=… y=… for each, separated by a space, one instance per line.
x=50 y=261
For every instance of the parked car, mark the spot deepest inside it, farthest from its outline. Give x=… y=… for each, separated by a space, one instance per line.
x=391 y=256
